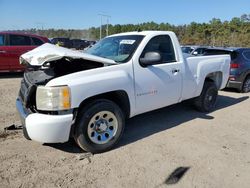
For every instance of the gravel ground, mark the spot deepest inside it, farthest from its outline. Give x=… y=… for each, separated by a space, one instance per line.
x=172 y=147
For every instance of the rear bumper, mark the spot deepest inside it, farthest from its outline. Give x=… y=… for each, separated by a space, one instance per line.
x=45 y=128
x=234 y=84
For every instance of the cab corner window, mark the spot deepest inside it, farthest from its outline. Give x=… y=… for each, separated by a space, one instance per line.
x=1 y=40
x=19 y=40
x=163 y=45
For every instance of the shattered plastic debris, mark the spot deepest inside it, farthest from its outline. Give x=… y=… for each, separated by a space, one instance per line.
x=85 y=156
x=176 y=175
x=13 y=127
x=10 y=131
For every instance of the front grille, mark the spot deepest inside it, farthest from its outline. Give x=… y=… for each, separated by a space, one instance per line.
x=27 y=92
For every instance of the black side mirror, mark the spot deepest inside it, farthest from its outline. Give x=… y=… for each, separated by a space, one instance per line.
x=150 y=58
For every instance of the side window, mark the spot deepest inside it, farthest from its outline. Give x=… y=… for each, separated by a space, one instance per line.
x=19 y=40
x=200 y=51
x=163 y=45
x=246 y=55
x=36 y=41
x=1 y=40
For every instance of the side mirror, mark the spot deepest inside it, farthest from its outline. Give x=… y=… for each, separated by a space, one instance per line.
x=150 y=58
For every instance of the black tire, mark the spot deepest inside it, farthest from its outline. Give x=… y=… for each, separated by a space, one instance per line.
x=207 y=100
x=88 y=119
x=246 y=85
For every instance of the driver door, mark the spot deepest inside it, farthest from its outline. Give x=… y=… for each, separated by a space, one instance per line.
x=160 y=84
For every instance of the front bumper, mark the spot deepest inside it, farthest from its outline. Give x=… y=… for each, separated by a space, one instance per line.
x=45 y=128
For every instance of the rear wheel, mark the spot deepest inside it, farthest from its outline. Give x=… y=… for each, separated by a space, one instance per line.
x=99 y=126
x=246 y=85
x=207 y=100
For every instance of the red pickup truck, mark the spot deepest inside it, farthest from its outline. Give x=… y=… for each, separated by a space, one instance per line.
x=13 y=45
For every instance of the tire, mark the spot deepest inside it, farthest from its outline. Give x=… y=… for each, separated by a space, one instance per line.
x=246 y=85
x=207 y=100
x=99 y=126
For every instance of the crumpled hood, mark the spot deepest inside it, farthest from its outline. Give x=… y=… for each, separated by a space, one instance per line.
x=49 y=52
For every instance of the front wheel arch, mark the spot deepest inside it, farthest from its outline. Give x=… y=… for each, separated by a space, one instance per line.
x=120 y=97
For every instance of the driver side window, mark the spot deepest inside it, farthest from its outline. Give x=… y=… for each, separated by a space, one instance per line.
x=163 y=45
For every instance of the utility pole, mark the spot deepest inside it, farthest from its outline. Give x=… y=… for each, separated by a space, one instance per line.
x=107 y=26
x=101 y=29
x=107 y=29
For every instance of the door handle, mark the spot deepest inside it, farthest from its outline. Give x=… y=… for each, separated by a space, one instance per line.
x=2 y=51
x=175 y=71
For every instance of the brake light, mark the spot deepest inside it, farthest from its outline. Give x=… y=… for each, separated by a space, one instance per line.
x=234 y=65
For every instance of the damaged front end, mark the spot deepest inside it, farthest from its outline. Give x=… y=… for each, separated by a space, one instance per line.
x=45 y=111
x=48 y=62
x=35 y=76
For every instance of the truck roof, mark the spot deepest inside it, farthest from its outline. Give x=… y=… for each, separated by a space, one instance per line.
x=144 y=33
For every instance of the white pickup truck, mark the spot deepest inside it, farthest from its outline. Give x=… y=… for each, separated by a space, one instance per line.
x=88 y=96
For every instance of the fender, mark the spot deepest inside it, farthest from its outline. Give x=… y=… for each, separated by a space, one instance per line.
x=93 y=82
x=210 y=68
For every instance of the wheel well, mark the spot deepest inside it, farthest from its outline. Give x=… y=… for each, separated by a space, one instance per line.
x=215 y=77
x=119 y=97
x=248 y=75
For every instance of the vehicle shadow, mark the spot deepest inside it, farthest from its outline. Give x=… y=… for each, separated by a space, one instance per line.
x=232 y=90
x=4 y=75
x=70 y=147
x=156 y=121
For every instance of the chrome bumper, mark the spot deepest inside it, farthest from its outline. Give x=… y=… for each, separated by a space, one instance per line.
x=23 y=113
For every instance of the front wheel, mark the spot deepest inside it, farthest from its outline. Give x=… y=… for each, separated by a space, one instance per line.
x=99 y=126
x=207 y=100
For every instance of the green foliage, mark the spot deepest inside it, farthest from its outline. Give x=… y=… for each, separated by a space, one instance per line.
x=215 y=33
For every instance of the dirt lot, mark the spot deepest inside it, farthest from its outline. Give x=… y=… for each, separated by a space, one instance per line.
x=213 y=149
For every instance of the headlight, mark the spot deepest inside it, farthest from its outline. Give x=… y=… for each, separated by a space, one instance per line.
x=53 y=98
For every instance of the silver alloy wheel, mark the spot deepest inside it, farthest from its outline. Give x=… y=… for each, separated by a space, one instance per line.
x=102 y=127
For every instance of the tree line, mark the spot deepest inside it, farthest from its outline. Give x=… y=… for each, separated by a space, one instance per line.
x=235 y=32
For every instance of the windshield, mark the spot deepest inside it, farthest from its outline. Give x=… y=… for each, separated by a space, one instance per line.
x=118 y=48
